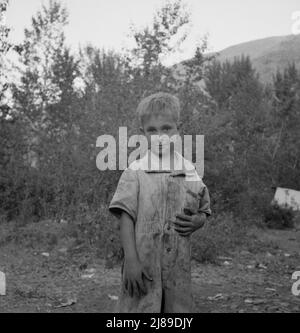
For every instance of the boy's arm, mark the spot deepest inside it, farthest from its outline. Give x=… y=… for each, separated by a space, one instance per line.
x=124 y=206
x=134 y=273
x=128 y=237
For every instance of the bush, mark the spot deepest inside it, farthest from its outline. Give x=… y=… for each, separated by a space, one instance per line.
x=222 y=234
x=277 y=217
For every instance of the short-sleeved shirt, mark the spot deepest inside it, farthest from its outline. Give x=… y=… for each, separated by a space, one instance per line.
x=153 y=198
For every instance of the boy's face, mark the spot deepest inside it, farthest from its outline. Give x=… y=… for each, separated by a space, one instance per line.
x=160 y=127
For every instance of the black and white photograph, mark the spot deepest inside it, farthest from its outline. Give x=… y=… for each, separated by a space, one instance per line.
x=150 y=159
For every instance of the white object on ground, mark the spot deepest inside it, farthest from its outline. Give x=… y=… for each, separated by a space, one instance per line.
x=68 y=302
x=2 y=284
x=286 y=197
x=217 y=297
x=87 y=276
x=113 y=298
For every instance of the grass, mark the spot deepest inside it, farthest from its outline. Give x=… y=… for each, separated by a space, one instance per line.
x=225 y=234
x=97 y=232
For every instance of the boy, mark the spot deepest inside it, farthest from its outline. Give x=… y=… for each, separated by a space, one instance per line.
x=159 y=209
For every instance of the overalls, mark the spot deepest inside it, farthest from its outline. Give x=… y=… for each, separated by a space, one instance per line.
x=152 y=199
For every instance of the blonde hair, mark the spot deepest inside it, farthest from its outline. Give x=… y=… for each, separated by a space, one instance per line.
x=157 y=104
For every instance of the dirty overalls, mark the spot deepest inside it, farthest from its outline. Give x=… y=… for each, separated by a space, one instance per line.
x=152 y=199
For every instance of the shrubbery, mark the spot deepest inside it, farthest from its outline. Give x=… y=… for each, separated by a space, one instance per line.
x=277 y=217
x=49 y=130
x=221 y=235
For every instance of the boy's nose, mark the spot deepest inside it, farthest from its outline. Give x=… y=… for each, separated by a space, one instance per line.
x=163 y=135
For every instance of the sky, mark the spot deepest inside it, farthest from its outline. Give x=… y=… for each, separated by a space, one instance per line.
x=105 y=23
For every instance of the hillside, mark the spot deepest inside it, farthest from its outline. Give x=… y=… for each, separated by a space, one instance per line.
x=268 y=54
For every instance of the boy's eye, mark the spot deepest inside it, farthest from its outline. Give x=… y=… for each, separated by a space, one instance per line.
x=166 y=129
x=151 y=130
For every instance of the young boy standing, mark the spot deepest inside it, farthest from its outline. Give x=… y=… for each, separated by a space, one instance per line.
x=159 y=208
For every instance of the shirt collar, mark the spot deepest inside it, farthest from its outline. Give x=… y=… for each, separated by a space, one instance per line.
x=150 y=164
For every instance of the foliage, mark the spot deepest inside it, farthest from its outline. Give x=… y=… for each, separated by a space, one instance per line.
x=222 y=234
x=277 y=217
x=6 y=47
x=65 y=100
x=286 y=125
x=167 y=32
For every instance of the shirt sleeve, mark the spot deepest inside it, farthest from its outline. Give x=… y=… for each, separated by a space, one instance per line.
x=204 y=205
x=126 y=195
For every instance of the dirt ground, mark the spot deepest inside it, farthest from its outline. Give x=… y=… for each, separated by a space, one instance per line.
x=57 y=277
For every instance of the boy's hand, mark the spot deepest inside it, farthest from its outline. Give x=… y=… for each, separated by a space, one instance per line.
x=135 y=276
x=185 y=224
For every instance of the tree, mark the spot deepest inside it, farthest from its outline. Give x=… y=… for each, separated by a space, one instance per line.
x=148 y=73
x=223 y=80
x=237 y=138
x=46 y=96
x=43 y=45
x=107 y=89
x=163 y=37
x=286 y=127
x=5 y=47
x=48 y=105
x=11 y=130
